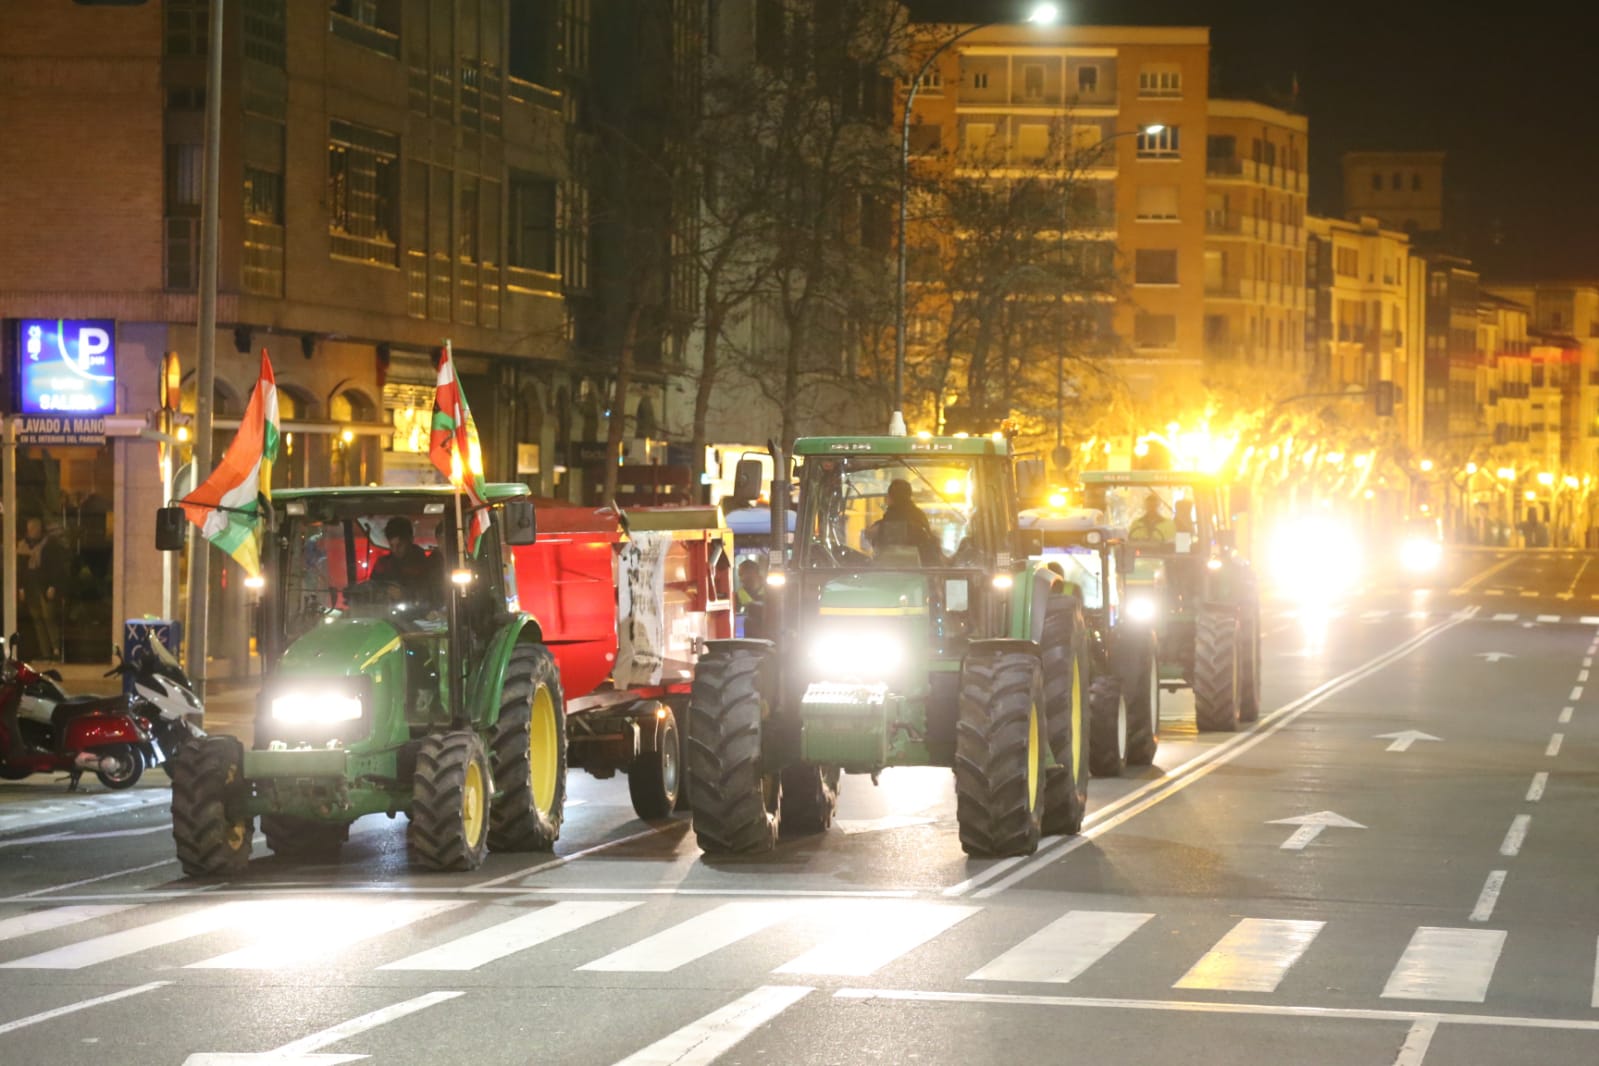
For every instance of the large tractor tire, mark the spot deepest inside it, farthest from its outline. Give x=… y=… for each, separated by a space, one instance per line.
x=999 y=754
x=1135 y=664
x=452 y=793
x=1249 y=663
x=211 y=836
x=1063 y=650
x=736 y=804
x=1216 y=654
x=304 y=838
x=1107 y=718
x=810 y=796
x=655 y=778
x=528 y=746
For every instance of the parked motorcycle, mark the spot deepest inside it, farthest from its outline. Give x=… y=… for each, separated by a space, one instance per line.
x=78 y=734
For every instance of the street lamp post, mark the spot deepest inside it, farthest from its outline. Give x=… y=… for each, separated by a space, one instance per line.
x=1042 y=15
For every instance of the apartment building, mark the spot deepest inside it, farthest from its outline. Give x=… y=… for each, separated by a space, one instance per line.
x=1505 y=389
x=1402 y=190
x=1357 y=326
x=1565 y=323
x=1255 y=237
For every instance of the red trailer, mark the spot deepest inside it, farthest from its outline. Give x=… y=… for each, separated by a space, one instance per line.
x=625 y=603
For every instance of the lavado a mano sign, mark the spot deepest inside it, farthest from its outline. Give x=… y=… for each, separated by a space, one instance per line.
x=49 y=429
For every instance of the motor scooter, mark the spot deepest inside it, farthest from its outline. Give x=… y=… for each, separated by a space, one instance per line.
x=98 y=734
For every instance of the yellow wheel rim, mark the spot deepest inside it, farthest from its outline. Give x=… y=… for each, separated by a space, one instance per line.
x=1077 y=723
x=1032 y=758
x=472 y=802
x=235 y=836
x=542 y=753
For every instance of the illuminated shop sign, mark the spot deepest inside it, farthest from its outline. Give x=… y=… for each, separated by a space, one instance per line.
x=66 y=367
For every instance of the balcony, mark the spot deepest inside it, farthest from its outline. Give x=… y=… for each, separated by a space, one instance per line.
x=1223 y=166
x=1226 y=287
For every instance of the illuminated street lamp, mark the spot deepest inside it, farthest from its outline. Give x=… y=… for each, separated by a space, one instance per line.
x=1506 y=473
x=1426 y=466
x=1545 y=478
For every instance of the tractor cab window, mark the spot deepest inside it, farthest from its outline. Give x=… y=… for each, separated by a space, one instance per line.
x=1158 y=518
x=1079 y=565
x=900 y=511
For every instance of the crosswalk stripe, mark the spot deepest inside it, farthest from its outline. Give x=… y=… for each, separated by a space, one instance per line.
x=704 y=1041
x=1549 y=618
x=130 y=941
x=300 y=931
x=55 y=918
x=1254 y=956
x=508 y=937
x=1504 y=618
x=695 y=938
x=1446 y=964
x=871 y=938
x=1064 y=948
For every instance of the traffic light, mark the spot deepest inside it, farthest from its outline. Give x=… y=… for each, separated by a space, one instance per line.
x=1383 y=398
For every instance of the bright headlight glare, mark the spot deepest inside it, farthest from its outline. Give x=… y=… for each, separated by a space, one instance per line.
x=1418 y=554
x=1141 y=609
x=858 y=654
x=301 y=708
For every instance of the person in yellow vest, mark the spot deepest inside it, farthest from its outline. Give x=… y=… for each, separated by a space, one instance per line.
x=1152 y=527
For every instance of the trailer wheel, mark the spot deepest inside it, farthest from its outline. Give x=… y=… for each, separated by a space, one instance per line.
x=655 y=778
x=1216 y=669
x=737 y=806
x=452 y=793
x=304 y=838
x=211 y=837
x=1140 y=677
x=528 y=746
x=810 y=796
x=1064 y=654
x=999 y=754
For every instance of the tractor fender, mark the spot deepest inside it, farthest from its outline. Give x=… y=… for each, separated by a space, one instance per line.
x=1044 y=582
x=488 y=680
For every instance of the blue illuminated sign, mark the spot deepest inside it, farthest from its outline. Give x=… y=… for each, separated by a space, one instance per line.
x=67 y=366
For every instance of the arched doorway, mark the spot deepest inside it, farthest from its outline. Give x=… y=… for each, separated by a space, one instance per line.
x=293 y=467
x=355 y=456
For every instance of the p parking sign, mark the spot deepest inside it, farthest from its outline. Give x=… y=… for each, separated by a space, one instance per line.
x=66 y=367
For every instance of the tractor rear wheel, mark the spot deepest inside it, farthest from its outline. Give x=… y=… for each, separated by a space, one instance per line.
x=1216 y=669
x=304 y=838
x=810 y=795
x=528 y=746
x=1249 y=663
x=452 y=793
x=999 y=754
x=737 y=806
x=211 y=839
x=1063 y=651
x=1134 y=662
x=655 y=777
x=1107 y=716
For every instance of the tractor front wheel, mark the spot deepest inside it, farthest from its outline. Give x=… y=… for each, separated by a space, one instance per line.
x=1063 y=651
x=1134 y=662
x=999 y=754
x=450 y=803
x=1107 y=715
x=211 y=839
x=1216 y=655
x=736 y=804
x=655 y=778
x=810 y=795
x=528 y=745
x=304 y=838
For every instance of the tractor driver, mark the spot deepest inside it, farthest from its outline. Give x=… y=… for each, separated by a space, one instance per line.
x=411 y=574
x=1152 y=527
x=905 y=525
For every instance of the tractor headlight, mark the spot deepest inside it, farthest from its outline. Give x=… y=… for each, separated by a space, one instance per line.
x=1418 y=555
x=315 y=708
x=863 y=653
x=1141 y=609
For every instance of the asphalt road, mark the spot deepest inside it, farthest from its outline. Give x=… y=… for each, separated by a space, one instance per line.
x=1392 y=867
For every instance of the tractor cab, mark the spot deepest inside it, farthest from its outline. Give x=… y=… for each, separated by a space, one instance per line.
x=1091 y=555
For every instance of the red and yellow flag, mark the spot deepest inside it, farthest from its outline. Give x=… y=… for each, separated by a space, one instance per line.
x=229 y=506
x=454 y=447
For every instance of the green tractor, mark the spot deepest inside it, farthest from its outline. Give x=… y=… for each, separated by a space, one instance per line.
x=399 y=677
x=1095 y=559
x=912 y=623
x=1189 y=578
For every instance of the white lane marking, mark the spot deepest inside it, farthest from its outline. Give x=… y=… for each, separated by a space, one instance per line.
x=870 y=937
x=1479 y=578
x=1528 y=594
x=1571 y=589
x=693 y=939
x=303 y=931
x=1595 y=1001
x=44 y=1016
x=356 y=1026
x=704 y=1041
x=1489 y=896
x=1064 y=948
x=509 y=937
x=1109 y=817
x=1554 y=745
x=1516 y=835
x=1505 y=617
x=89 y=880
x=1587 y=661
x=564 y=859
x=1414 y=1049
x=140 y=938
x=55 y=918
x=1493 y=592
x=1254 y=956
x=1540 y=781
x=1549 y=618
x=1446 y=964
x=1495 y=656
x=1582 y=675
x=1565 y=714
x=1190 y=1006
x=1576 y=694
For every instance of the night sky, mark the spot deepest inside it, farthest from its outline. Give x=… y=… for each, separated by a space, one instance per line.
x=1509 y=98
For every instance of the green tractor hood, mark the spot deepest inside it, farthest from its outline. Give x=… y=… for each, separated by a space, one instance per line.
x=363 y=657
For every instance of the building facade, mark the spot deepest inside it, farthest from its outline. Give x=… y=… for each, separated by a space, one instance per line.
x=1403 y=190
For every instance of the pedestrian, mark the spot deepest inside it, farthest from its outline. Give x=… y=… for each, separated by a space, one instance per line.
x=752 y=598
x=42 y=571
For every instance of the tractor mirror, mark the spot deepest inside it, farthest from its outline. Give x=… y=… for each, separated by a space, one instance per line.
x=170 y=529
x=1030 y=483
x=747 y=480
x=520 y=525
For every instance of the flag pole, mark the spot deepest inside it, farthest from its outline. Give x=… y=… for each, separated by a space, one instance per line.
x=457 y=661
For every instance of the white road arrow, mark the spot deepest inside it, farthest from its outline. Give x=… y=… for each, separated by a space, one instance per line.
x=1310 y=827
x=1495 y=656
x=302 y=1052
x=1402 y=741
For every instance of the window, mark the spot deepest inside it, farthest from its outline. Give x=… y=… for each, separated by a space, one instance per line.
x=1088 y=80
x=1396 y=182
x=1160 y=80
x=1157 y=202
x=1086 y=138
x=1162 y=145
x=373 y=24
x=363 y=192
x=1153 y=266
x=1154 y=331
x=1032 y=141
x=980 y=79
x=1347 y=262
x=978 y=134
x=188 y=27
x=264 y=39
x=531 y=42
x=532 y=222
x=1376 y=181
x=261 y=271
x=1033 y=81
x=468 y=232
x=1415 y=183
x=184 y=162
